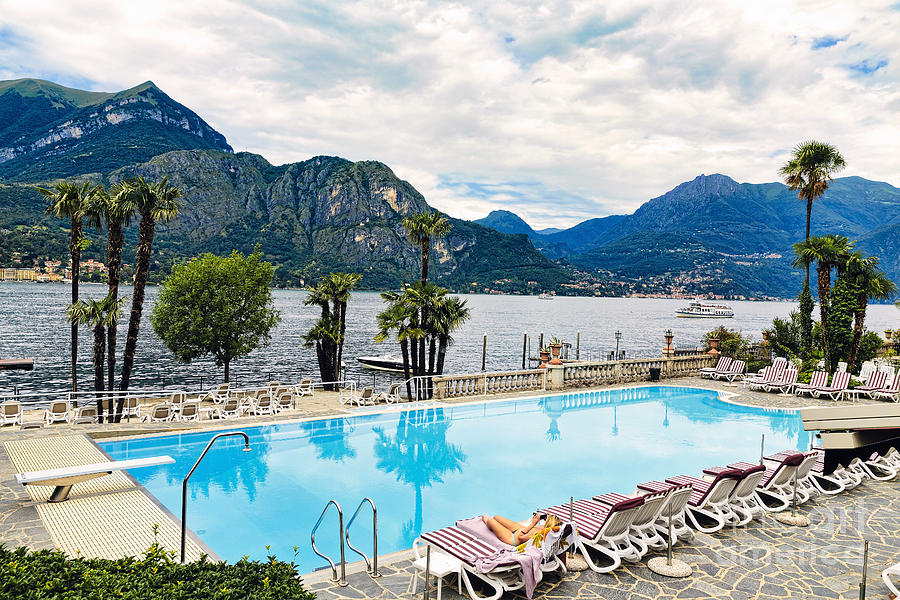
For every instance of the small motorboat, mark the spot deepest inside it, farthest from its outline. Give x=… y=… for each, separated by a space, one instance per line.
x=382 y=363
x=545 y=296
x=705 y=310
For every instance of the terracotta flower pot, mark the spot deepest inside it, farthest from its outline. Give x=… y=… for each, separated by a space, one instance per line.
x=545 y=356
x=554 y=349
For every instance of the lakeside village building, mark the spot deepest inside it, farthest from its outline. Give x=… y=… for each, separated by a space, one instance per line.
x=53 y=271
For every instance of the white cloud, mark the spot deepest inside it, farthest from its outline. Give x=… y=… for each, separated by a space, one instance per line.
x=599 y=107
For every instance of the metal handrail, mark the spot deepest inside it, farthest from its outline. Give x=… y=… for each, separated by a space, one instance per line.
x=191 y=472
x=371 y=567
x=334 y=575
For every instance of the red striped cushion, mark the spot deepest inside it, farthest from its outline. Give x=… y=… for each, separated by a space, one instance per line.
x=655 y=486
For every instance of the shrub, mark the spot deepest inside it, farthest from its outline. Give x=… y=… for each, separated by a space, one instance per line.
x=869 y=345
x=731 y=342
x=155 y=576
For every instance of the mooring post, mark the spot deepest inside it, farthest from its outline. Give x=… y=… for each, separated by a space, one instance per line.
x=862 y=584
x=483 y=351
x=524 y=347
x=578 y=345
x=541 y=341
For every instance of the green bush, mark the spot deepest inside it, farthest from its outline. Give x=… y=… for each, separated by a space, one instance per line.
x=155 y=576
x=731 y=342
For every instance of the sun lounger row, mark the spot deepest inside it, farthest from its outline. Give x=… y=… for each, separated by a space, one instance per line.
x=368 y=397
x=62 y=411
x=625 y=528
x=726 y=369
x=784 y=380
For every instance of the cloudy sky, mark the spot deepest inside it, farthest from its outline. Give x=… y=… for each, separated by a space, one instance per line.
x=559 y=111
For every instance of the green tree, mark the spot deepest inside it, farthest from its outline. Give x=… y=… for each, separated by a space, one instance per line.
x=113 y=209
x=154 y=202
x=216 y=305
x=731 y=342
x=401 y=318
x=843 y=307
x=871 y=283
x=805 y=321
x=785 y=336
x=827 y=252
x=96 y=315
x=449 y=315
x=331 y=295
x=421 y=229
x=809 y=171
x=67 y=201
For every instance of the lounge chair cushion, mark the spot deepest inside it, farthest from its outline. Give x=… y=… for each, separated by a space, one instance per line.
x=476 y=527
x=461 y=544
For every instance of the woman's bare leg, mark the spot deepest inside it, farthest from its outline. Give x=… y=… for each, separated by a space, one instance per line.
x=503 y=533
x=509 y=523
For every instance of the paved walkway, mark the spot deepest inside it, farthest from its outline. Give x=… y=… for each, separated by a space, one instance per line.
x=765 y=559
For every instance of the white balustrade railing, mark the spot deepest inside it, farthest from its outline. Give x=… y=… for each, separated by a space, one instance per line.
x=637 y=369
x=480 y=384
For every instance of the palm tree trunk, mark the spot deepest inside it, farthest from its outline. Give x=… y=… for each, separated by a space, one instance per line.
x=115 y=242
x=823 y=273
x=404 y=349
x=414 y=357
x=426 y=250
x=432 y=351
x=442 y=353
x=859 y=320
x=75 y=250
x=142 y=262
x=340 y=349
x=323 y=370
x=809 y=204
x=99 y=349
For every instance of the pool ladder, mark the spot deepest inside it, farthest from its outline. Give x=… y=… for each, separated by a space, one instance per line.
x=344 y=536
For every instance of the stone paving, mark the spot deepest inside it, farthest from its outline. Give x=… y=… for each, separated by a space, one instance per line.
x=764 y=560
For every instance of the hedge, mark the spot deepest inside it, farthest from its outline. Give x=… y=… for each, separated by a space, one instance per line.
x=27 y=575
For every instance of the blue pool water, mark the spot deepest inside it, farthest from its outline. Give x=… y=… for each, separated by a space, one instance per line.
x=429 y=467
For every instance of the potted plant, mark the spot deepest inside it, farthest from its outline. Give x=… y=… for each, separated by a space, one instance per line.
x=545 y=356
x=555 y=346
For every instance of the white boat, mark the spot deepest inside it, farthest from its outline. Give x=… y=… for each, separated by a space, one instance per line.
x=382 y=363
x=545 y=296
x=704 y=310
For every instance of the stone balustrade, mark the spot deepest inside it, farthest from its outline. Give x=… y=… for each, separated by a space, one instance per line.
x=569 y=375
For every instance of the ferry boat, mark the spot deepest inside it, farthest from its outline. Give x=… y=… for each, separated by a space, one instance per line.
x=382 y=363
x=705 y=310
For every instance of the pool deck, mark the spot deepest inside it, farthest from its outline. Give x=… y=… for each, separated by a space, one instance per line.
x=763 y=560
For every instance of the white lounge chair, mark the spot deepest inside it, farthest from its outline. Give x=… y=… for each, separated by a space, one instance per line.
x=642 y=533
x=838 y=387
x=11 y=412
x=735 y=371
x=58 y=412
x=710 y=499
x=891 y=392
x=875 y=383
x=190 y=411
x=264 y=405
x=219 y=394
x=229 y=409
x=743 y=499
x=886 y=576
x=285 y=401
x=392 y=395
x=819 y=379
x=84 y=415
x=304 y=388
x=767 y=377
x=676 y=506
x=64 y=478
x=721 y=367
x=364 y=398
x=785 y=384
x=777 y=483
x=601 y=528
x=160 y=413
x=131 y=407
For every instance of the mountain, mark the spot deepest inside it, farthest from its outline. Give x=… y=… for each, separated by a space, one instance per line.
x=49 y=131
x=505 y=221
x=548 y=230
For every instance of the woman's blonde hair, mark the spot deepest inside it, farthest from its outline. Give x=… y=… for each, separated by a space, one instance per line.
x=552 y=521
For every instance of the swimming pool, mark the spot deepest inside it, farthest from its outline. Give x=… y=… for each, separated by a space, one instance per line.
x=429 y=467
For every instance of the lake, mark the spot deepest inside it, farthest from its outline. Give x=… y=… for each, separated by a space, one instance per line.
x=32 y=324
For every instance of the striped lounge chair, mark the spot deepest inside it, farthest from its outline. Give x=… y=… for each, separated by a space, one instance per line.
x=676 y=506
x=735 y=371
x=709 y=499
x=816 y=478
x=767 y=377
x=785 y=383
x=642 y=533
x=470 y=540
x=721 y=367
x=602 y=528
x=875 y=383
x=776 y=484
x=890 y=393
x=838 y=387
x=743 y=500
x=818 y=380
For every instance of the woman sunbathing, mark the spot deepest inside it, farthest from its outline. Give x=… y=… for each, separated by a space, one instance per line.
x=514 y=533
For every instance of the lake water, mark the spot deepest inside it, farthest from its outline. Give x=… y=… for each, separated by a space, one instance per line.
x=32 y=324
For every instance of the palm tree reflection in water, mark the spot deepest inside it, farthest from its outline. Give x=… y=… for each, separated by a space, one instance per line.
x=233 y=475
x=420 y=455
x=331 y=438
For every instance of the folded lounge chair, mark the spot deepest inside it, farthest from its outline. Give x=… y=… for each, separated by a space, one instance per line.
x=11 y=413
x=602 y=528
x=721 y=367
x=709 y=499
x=838 y=386
x=676 y=506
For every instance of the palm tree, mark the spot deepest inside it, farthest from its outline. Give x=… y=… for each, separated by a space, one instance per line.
x=327 y=335
x=114 y=210
x=154 y=202
x=400 y=317
x=96 y=315
x=421 y=228
x=827 y=252
x=809 y=171
x=67 y=201
x=871 y=284
x=449 y=315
